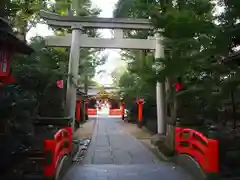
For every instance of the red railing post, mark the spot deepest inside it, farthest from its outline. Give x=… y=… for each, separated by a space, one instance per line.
x=123 y=110
x=55 y=149
x=78 y=110
x=213 y=156
x=140 y=108
x=140 y=103
x=49 y=158
x=86 y=110
x=70 y=132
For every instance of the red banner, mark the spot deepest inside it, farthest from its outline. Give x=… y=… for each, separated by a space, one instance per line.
x=60 y=84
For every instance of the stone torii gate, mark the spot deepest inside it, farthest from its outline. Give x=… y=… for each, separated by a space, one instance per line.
x=77 y=40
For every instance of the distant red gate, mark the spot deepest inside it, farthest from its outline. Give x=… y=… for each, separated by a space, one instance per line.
x=115 y=112
x=92 y=111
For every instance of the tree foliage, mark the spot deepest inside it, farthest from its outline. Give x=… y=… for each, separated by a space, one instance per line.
x=34 y=92
x=196 y=40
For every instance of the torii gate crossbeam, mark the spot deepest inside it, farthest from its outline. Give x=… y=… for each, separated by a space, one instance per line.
x=90 y=42
x=95 y=22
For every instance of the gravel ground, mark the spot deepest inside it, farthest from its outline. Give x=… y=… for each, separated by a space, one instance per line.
x=85 y=131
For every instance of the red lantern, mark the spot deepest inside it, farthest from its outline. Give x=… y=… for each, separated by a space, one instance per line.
x=4 y=62
x=59 y=84
x=178 y=86
x=140 y=101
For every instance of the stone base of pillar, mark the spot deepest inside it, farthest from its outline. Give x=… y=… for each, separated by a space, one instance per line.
x=158 y=139
x=76 y=126
x=140 y=124
x=86 y=117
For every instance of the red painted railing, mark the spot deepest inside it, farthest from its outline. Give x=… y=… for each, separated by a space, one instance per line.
x=199 y=147
x=115 y=112
x=55 y=149
x=140 y=103
x=92 y=111
x=123 y=110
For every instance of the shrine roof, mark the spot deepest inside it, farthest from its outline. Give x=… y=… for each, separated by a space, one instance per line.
x=7 y=38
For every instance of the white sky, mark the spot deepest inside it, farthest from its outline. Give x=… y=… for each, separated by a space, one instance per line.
x=114 y=58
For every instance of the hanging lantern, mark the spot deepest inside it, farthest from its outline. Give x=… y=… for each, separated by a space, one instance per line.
x=4 y=62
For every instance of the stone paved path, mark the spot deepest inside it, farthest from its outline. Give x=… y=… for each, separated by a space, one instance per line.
x=111 y=146
x=114 y=155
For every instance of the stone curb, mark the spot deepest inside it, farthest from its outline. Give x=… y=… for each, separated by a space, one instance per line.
x=160 y=154
x=87 y=159
x=163 y=157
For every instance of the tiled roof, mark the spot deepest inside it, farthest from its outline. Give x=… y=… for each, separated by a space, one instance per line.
x=94 y=91
x=9 y=39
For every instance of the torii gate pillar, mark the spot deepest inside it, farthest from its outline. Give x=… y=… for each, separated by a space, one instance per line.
x=73 y=73
x=160 y=91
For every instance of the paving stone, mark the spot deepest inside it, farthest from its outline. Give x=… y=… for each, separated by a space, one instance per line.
x=121 y=157
x=162 y=171
x=102 y=141
x=102 y=148
x=102 y=157
x=102 y=154
x=109 y=136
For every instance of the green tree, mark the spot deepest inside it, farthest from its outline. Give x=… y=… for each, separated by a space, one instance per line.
x=195 y=43
x=22 y=14
x=89 y=58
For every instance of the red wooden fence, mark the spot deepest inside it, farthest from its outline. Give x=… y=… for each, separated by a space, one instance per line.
x=199 y=147
x=92 y=111
x=55 y=149
x=115 y=112
x=123 y=111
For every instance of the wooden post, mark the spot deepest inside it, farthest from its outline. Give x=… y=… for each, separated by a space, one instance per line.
x=86 y=110
x=123 y=110
x=140 y=103
x=78 y=110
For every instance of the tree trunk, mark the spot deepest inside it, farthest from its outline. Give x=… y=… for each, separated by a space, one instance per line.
x=172 y=104
x=86 y=91
x=86 y=84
